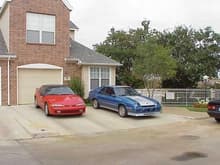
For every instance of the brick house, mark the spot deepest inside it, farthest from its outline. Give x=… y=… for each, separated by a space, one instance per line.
x=37 y=47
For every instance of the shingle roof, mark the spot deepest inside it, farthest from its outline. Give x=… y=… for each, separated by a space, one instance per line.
x=87 y=56
x=3 y=47
x=72 y=25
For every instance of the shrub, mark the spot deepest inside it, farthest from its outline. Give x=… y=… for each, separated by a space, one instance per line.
x=77 y=86
x=200 y=105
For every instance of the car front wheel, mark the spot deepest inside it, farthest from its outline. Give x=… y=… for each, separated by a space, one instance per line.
x=46 y=110
x=217 y=120
x=95 y=104
x=122 y=111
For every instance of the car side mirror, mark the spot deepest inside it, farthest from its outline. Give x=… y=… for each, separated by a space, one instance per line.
x=41 y=94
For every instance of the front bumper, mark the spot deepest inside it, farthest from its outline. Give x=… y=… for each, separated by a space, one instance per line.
x=67 y=110
x=144 y=114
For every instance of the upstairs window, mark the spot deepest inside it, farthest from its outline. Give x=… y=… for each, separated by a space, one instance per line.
x=40 y=28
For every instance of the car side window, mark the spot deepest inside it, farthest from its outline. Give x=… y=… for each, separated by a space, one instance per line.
x=102 y=91
x=110 y=91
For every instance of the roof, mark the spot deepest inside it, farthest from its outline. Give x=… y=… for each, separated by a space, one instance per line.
x=66 y=3
x=73 y=26
x=86 y=56
x=3 y=47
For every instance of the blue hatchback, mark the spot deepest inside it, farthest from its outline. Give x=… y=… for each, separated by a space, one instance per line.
x=125 y=100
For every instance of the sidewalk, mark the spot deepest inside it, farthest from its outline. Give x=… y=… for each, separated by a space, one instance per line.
x=182 y=111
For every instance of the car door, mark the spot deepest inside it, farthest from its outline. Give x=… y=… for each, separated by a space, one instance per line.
x=107 y=98
x=111 y=98
x=102 y=97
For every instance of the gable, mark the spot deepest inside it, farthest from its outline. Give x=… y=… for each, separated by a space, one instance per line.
x=65 y=2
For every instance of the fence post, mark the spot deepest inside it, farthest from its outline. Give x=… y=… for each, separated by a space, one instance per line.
x=186 y=99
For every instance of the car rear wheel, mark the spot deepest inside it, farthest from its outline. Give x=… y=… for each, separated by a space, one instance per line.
x=95 y=104
x=35 y=102
x=122 y=111
x=46 y=110
x=217 y=120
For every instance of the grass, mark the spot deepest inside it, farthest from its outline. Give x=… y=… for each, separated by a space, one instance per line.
x=197 y=109
x=88 y=103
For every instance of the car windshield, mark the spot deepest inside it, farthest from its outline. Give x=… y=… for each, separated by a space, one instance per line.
x=59 y=90
x=126 y=91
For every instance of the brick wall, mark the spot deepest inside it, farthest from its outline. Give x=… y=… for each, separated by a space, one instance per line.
x=37 y=53
x=4 y=78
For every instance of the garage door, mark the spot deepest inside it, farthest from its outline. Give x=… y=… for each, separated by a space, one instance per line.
x=30 y=79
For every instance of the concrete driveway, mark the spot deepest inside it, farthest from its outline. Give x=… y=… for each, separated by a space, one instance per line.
x=24 y=122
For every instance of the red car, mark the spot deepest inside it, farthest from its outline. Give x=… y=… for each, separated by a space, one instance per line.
x=59 y=100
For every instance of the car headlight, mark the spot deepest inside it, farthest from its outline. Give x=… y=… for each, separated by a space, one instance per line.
x=57 y=105
x=137 y=104
x=80 y=104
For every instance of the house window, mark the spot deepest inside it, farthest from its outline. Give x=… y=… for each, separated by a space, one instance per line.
x=40 y=28
x=99 y=76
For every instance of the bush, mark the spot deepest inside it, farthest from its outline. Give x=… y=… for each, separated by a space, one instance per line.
x=77 y=86
x=200 y=105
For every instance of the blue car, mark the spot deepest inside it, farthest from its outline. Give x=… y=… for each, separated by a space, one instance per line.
x=124 y=100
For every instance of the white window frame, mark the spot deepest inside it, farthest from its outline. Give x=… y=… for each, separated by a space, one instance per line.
x=100 y=75
x=38 y=22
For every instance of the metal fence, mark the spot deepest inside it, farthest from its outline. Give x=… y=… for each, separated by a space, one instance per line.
x=183 y=96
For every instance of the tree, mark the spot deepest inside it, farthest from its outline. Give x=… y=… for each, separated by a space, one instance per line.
x=153 y=64
x=196 y=53
x=120 y=46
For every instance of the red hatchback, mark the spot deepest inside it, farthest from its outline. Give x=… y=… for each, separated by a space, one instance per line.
x=59 y=100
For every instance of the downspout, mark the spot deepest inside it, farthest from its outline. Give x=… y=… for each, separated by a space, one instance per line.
x=9 y=81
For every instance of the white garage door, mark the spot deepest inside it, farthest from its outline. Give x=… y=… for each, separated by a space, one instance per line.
x=30 y=79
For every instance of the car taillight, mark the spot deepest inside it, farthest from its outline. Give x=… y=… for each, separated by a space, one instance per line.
x=211 y=107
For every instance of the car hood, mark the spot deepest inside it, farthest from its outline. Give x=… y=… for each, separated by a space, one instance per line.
x=64 y=99
x=143 y=101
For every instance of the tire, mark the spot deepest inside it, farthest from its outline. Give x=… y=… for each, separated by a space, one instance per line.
x=95 y=104
x=217 y=120
x=122 y=111
x=35 y=103
x=46 y=110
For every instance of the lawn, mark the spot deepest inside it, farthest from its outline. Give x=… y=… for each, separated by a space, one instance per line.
x=197 y=109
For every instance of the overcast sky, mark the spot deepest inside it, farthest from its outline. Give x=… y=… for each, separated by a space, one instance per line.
x=96 y=17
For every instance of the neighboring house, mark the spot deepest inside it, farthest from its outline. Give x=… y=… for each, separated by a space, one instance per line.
x=37 y=47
